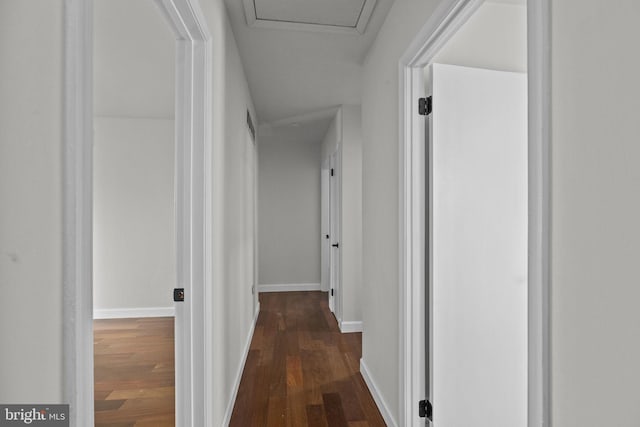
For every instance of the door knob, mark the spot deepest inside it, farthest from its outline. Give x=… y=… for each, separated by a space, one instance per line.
x=336 y=245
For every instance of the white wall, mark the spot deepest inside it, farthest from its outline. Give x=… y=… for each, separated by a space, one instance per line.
x=380 y=178
x=351 y=228
x=495 y=37
x=289 y=205
x=595 y=210
x=31 y=43
x=238 y=208
x=230 y=303
x=134 y=35
x=345 y=134
x=134 y=261
x=134 y=245
x=332 y=138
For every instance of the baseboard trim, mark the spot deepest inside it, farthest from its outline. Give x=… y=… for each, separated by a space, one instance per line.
x=289 y=287
x=377 y=397
x=126 y=313
x=350 y=326
x=236 y=383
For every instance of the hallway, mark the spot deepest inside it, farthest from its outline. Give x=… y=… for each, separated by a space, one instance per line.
x=300 y=370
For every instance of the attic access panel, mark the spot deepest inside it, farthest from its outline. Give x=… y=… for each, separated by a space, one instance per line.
x=336 y=16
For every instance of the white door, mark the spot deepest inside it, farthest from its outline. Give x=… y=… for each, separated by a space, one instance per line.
x=334 y=236
x=325 y=242
x=478 y=270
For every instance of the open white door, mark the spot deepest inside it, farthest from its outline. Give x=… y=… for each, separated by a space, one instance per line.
x=334 y=227
x=325 y=242
x=478 y=247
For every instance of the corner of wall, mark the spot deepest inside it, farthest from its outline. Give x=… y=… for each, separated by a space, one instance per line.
x=376 y=393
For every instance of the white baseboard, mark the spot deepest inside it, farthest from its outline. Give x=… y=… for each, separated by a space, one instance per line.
x=375 y=392
x=289 y=287
x=126 y=313
x=236 y=383
x=350 y=326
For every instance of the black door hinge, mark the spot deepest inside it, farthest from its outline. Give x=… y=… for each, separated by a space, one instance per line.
x=331 y=171
x=332 y=292
x=425 y=410
x=425 y=106
x=178 y=294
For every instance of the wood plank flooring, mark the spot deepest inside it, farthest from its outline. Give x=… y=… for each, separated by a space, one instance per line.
x=134 y=372
x=301 y=371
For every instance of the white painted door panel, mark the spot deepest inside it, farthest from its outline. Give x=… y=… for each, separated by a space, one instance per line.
x=325 y=243
x=478 y=209
x=334 y=196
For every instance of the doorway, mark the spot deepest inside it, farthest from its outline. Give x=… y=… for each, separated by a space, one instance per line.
x=134 y=222
x=420 y=230
x=193 y=132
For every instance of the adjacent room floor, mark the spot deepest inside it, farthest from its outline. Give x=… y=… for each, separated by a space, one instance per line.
x=134 y=372
x=301 y=371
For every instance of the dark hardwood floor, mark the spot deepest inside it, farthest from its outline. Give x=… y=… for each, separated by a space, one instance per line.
x=134 y=372
x=301 y=371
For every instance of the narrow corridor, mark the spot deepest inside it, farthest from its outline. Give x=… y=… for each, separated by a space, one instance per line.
x=301 y=371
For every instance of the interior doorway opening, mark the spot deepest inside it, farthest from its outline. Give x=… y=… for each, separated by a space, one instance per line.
x=456 y=34
x=193 y=216
x=134 y=206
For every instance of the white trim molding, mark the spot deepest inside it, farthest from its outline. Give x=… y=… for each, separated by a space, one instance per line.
x=377 y=397
x=539 y=263
x=358 y=29
x=193 y=211
x=77 y=213
x=289 y=287
x=238 y=378
x=133 y=313
x=449 y=16
x=349 y=326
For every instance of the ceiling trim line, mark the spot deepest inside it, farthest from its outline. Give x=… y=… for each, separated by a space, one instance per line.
x=255 y=22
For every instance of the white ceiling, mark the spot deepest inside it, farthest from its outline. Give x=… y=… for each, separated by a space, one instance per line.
x=310 y=132
x=341 y=13
x=516 y=2
x=134 y=60
x=292 y=73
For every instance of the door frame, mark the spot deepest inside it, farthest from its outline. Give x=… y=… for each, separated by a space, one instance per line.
x=448 y=17
x=193 y=210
